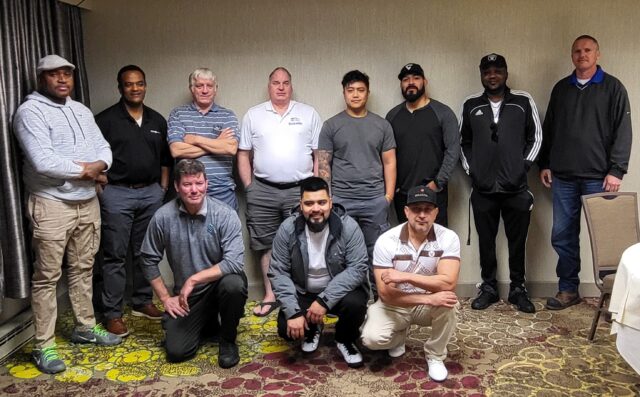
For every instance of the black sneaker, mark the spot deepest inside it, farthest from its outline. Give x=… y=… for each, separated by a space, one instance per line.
x=228 y=354
x=486 y=297
x=518 y=296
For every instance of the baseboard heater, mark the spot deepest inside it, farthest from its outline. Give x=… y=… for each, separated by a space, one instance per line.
x=15 y=333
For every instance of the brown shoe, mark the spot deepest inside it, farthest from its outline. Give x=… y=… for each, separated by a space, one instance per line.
x=562 y=300
x=149 y=311
x=117 y=327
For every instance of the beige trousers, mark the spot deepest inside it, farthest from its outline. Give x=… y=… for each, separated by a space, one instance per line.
x=60 y=227
x=386 y=327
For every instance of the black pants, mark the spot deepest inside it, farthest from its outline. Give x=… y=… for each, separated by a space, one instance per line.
x=350 y=311
x=226 y=297
x=442 y=197
x=516 y=214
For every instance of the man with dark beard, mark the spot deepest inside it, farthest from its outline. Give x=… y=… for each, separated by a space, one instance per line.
x=501 y=138
x=427 y=139
x=319 y=266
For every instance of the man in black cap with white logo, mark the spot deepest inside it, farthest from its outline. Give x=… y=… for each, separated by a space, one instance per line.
x=427 y=139
x=501 y=138
x=416 y=267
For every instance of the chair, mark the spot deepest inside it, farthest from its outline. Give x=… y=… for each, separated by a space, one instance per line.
x=612 y=220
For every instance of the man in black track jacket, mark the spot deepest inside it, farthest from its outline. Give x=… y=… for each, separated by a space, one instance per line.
x=500 y=139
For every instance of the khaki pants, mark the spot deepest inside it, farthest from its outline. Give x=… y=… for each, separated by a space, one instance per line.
x=58 y=227
x=386 y=327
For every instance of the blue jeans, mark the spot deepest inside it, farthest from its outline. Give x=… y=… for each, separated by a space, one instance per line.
x=565 y=235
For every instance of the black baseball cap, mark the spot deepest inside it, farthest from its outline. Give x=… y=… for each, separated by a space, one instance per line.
x=492 y=59
x=410 y=68
x=421 y=194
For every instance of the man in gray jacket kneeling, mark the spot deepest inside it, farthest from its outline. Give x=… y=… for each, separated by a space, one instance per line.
x=318 y=266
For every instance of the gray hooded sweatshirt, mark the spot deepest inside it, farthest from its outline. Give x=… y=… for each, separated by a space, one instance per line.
x=53 y=137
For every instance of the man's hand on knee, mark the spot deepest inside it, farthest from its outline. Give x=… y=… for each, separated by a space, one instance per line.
x=316 y=313
x=296 y=327
x=174 y=308
x=442 y=298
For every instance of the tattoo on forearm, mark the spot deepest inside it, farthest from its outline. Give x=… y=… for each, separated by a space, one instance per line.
x=324 y=165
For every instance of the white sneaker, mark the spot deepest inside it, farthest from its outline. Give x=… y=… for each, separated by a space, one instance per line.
x=437 y=371
x=401 y=348
x=310 y=343
x=397 y=351
x=350 y=353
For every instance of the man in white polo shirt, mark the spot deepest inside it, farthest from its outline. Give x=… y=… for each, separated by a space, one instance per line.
x=416 y=267
x=276 y=151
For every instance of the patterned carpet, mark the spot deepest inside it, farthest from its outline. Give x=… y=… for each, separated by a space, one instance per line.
x=496 y=352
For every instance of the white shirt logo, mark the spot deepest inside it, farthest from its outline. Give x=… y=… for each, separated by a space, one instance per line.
x=478 y=113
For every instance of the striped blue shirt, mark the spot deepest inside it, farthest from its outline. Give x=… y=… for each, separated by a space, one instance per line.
x=188 y=120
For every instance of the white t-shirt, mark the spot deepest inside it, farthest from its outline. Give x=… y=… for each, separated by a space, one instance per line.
x=318 y=277
x=282 y=145
x=495 y=108
x=394 y=250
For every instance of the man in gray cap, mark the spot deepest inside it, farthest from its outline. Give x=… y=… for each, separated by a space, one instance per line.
x=427 y=141
x=65 y=156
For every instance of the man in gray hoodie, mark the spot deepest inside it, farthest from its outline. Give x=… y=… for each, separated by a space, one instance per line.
x=318 y=266
x=65 y=156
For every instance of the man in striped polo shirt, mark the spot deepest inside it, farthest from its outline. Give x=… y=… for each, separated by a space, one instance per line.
x=206 y=131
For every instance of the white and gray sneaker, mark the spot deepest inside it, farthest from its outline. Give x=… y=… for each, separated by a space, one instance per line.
x=97 y=335
x=437 y=371
x=397 y=351
x=351 y=354
x=311 y=342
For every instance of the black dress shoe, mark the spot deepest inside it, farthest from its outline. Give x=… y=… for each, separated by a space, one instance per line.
x=228 y=354
x=486 y=298
x=518 y=297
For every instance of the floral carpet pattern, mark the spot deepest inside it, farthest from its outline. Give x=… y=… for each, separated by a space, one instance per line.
x=496 y=352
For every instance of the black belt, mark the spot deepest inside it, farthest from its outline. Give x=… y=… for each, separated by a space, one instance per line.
x=281 y=186
x=131 y=185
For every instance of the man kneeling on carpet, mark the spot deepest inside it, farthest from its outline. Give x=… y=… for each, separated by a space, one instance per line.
x=318 y=266
x=416 y=266
x=202 y=238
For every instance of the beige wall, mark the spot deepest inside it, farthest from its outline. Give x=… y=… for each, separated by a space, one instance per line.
x=318 y=41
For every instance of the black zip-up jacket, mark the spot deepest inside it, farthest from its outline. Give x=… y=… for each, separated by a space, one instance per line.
x=498 y=155
x=587 y=128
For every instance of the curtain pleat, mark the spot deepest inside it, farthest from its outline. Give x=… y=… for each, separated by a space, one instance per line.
x=29 y=30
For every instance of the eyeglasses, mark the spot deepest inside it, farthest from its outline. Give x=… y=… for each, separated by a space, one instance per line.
x=494 y=131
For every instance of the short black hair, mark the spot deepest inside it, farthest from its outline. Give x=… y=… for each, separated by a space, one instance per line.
x=587 y=37
x=188 y=167
x=313 y=184
x=355 y=76
x=130 y=68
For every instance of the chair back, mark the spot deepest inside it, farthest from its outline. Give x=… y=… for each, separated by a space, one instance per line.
x=612 y=220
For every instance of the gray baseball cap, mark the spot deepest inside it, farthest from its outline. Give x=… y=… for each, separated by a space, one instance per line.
x=51 y=62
